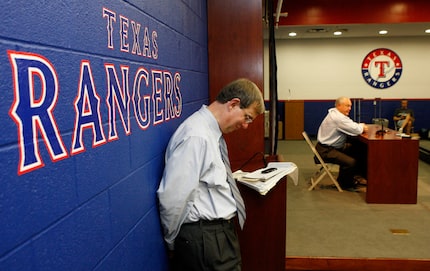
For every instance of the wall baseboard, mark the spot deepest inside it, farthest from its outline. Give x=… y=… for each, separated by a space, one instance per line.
x=355 y=264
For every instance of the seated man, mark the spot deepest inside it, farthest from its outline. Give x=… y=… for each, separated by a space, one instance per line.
x=404 y=117
x=332 y=146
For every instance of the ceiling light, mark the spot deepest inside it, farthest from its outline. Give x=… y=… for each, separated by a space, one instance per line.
x=292 y=34
x=427 y=31
x=337 y=33
x=383 y=32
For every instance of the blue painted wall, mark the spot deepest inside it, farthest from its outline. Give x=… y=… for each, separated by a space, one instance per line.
x=315 y=111
x=90 y=93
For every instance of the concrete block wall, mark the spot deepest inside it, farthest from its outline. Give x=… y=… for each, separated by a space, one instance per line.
x=90 y=93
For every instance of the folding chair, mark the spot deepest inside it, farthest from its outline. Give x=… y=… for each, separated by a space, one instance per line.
x=324 y=168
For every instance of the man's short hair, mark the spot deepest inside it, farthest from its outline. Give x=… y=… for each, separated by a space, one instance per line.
x=340 y=100
x=245 y=90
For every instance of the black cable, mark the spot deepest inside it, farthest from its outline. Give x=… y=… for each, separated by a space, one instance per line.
x=252 y=157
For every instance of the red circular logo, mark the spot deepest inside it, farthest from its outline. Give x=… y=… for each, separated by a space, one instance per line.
x=381 y=68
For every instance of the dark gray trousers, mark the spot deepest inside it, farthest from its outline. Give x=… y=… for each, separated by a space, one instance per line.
x=207 y=246
x=346 y=158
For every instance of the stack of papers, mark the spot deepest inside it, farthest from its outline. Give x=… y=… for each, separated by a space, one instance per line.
x=262 y=174
x=264 y=182
x=403 y=135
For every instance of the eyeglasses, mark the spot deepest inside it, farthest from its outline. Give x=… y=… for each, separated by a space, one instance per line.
x=248 y=119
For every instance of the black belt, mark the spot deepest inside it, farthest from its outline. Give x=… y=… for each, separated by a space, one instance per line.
x=214 y=222
x=329 y=147
x=324 y=145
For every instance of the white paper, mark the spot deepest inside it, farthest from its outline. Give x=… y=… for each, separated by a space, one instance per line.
x=266 y=184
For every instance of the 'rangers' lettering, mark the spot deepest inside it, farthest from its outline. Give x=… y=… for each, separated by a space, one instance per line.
x=32 y=114
x=36 y=89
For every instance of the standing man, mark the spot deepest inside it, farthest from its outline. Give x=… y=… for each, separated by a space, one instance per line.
x=404 y=117
x=332 y=141
x=198 y=197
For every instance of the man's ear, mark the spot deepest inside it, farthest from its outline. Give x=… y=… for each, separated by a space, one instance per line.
x=234 y=102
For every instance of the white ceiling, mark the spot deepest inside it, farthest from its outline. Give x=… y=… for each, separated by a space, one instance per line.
x=351 y=30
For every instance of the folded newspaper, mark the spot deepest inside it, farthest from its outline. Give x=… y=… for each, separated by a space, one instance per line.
x=264 y=179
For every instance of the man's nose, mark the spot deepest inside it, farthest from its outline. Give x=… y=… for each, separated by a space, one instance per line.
x=245 y=125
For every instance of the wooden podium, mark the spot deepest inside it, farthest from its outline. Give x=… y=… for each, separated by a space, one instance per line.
x=392 y=167
x=262 y=240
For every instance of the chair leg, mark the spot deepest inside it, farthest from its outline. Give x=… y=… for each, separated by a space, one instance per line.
x=335 y=182
x=320 y=177
x=317 y=175
x=314 y=183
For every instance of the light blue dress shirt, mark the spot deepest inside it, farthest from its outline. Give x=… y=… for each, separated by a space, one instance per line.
x=194 y=184
x=335 y=128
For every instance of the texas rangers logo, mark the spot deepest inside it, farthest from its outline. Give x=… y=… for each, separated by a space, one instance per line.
x=381 y=68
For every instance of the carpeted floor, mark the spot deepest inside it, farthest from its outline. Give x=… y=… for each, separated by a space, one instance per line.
x=326 y=223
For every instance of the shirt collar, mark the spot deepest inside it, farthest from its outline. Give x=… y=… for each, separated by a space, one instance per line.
x=211 y=121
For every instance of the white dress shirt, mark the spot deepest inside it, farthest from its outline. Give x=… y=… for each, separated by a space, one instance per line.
x=194 y=184
x=335 y=128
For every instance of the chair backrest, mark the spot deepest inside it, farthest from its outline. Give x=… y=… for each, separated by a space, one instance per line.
x=382 y=121
x=312 y=146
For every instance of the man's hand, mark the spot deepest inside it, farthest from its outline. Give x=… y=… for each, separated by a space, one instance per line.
x=365 y=128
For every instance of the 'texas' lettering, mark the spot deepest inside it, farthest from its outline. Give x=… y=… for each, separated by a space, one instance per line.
x=152 y=91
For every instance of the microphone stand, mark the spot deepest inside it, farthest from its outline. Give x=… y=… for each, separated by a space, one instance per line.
x=382 y=131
